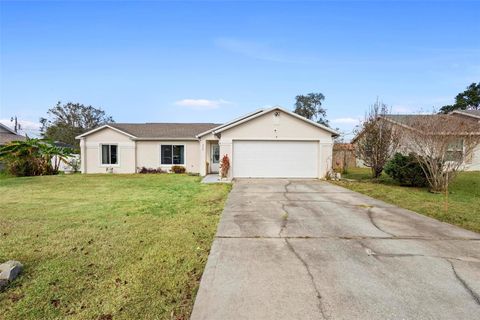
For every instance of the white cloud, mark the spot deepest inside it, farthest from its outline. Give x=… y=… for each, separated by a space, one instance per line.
x=202 y=104
x=346 y=120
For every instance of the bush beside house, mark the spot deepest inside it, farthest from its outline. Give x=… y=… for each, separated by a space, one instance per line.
x=406 y=171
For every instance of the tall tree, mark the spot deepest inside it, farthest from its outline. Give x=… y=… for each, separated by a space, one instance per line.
x=310 y=107
x=66 y=121
x=377 y=140
x=466 y=100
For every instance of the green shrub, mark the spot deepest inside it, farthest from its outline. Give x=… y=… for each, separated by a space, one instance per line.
x=33 y=157
x=178 y=169
x=406 y=171
x=149 y=170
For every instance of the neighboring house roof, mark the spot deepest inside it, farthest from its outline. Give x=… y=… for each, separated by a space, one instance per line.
x=409 y=121
x=439 y=123
x=261 y=112
x=156 y=131
x=8 y=135
x=469 y=113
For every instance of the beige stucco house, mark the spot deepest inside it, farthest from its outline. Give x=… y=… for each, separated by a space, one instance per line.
x=472 y=160
x=267 y=143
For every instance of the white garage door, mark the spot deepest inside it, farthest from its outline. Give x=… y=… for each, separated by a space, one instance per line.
x=275 y=159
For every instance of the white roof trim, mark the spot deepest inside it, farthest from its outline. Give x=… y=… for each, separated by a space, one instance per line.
x=103 y=127
x=230 y=122
x=228 y=126
x=164 y=139
x=466 y=114
x=8 y=129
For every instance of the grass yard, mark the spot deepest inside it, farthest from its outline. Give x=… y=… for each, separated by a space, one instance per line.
x=463 y=199
x=106 y=246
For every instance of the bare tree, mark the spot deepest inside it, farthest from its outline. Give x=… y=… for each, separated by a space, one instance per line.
x=441 y=144
x=377 y=140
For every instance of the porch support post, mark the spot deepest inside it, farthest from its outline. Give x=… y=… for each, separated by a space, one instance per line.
x=203 y=157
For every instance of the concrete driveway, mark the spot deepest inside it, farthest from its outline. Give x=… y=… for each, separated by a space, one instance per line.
x=305 y=249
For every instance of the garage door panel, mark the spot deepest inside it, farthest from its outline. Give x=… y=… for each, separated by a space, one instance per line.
x=275 y=159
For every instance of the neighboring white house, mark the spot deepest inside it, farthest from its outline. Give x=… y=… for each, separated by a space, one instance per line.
x=270 y=143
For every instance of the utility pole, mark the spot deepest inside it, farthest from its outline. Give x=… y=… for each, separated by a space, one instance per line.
x=17 y=125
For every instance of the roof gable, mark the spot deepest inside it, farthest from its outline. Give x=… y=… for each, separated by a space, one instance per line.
x=102 y=128
x=469 y=113
x=5 y=129
x=248 y=115
x=265 y=111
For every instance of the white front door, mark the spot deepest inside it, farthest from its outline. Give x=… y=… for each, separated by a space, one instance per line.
x=214 y=158
x=275 y=159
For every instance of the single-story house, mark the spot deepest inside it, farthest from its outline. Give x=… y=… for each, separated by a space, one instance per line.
x=8 y=135
x=267 y=143
x=472 y=162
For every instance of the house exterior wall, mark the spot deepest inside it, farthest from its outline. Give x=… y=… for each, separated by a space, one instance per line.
x=473 y=162
x=91 y=152
x=283 y=127
x=132 y=154
x=148 y=154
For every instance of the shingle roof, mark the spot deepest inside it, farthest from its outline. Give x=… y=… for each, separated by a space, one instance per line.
x=164 y=130
x=434 y=122
x=409 y=118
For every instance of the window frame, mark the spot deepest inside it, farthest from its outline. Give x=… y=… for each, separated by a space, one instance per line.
x=172 y=145
x=100 y=154
x=455 y=148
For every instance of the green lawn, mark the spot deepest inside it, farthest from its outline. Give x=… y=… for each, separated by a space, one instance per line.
x=106 y=246
x=463 y=199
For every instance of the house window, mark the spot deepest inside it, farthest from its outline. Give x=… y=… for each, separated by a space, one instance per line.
x=172 y=154
x=109 y=154
x=455 y=150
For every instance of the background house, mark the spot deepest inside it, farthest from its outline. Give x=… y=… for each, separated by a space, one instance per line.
x=8 y=135
x=472 y=162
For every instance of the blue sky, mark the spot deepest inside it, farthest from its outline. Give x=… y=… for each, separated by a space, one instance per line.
x=158 y=61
